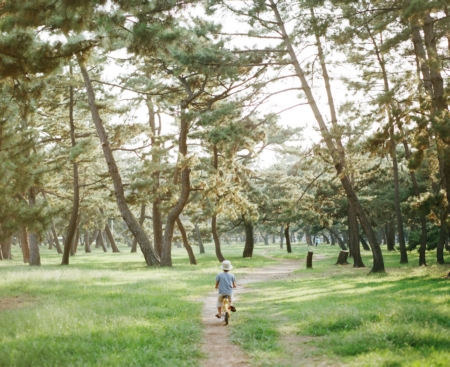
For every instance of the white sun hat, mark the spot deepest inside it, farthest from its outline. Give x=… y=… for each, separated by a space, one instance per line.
x=226 y=265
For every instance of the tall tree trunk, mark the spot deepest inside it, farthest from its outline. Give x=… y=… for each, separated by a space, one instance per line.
x=146 y=247
x=281 y=237
x=6 y=248
x=216 y=238
x=353 y=238
x=111 y=239
x=338 y=239
x=141 y=222
x=76 y=188
x=109 y=234
x=87 y=244
x=443 y=236
x=199 y=239
x=156 y=161
x=390 y=235
x=393 y=153
x=308 y=235
x=186 y=244
x=101 y=241
x=364 y=244
x=24 y=245
x=249 y=244
x=265 y=237
x=337 y=154
x=55 y=239
x=327 y=240
x=288 y=239
x=35 y=257
x=333 y=239
x=166 y=254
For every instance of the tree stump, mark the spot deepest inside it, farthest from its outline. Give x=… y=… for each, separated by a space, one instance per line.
x=342 y=258
x=309 y=259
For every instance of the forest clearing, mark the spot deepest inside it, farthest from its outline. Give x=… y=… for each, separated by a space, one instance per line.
x=111 y=310
x=145 y=142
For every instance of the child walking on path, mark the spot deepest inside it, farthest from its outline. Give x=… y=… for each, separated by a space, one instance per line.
x=225 y=282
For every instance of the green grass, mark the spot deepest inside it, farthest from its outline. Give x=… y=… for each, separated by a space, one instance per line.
x=107 y=309
x=112 y=310
x=401 y=318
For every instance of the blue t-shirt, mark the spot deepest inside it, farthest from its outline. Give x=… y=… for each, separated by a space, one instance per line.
x=225 y=282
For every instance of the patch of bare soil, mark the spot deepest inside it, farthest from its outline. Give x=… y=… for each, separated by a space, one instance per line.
x=10 y=303
x=218 y=349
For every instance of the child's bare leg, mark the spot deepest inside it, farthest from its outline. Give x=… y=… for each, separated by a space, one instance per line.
x=219 y=310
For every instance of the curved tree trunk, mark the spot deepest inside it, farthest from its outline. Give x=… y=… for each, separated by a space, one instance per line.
x=364 y=244
x=150 y=256
x=101 y=241
x=55 y=239
x=186 y=244
x=76 y=189
x=166 y=254
x=336 y=151
x=111 y=239
x=249 y=241
x=288 y=239
x=216 y=238
x=338 y=239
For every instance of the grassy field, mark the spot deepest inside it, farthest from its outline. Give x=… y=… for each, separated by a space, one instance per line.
x=112 y=310
x=401 y=318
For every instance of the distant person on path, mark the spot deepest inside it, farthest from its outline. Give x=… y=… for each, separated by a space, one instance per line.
x=225 y=282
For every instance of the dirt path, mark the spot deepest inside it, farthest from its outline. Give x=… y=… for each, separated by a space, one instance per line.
x=217 y=347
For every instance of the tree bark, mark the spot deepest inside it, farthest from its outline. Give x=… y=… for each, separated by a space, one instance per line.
x=199 y=239
x=156 y=161
x=34 y=256
x=87 y=244
x=101 y=242
x=109 y=234
x=56 y=239
x=249 y=244
x=342 y=258
x=141 y=222
x=24 y=245
x=281 y=237
x=338 y=239
x=186 y=244
x=76 y=188
x=6 y=248
x=309 y=258
x=390 y=235
x=288 y=239
x=166 y=254
x=308 y=236
x=353 y=238
x=146 y=247
x=216 y=238
x=364 y=243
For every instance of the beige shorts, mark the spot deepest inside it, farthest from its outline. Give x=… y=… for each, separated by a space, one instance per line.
x=220 y=299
